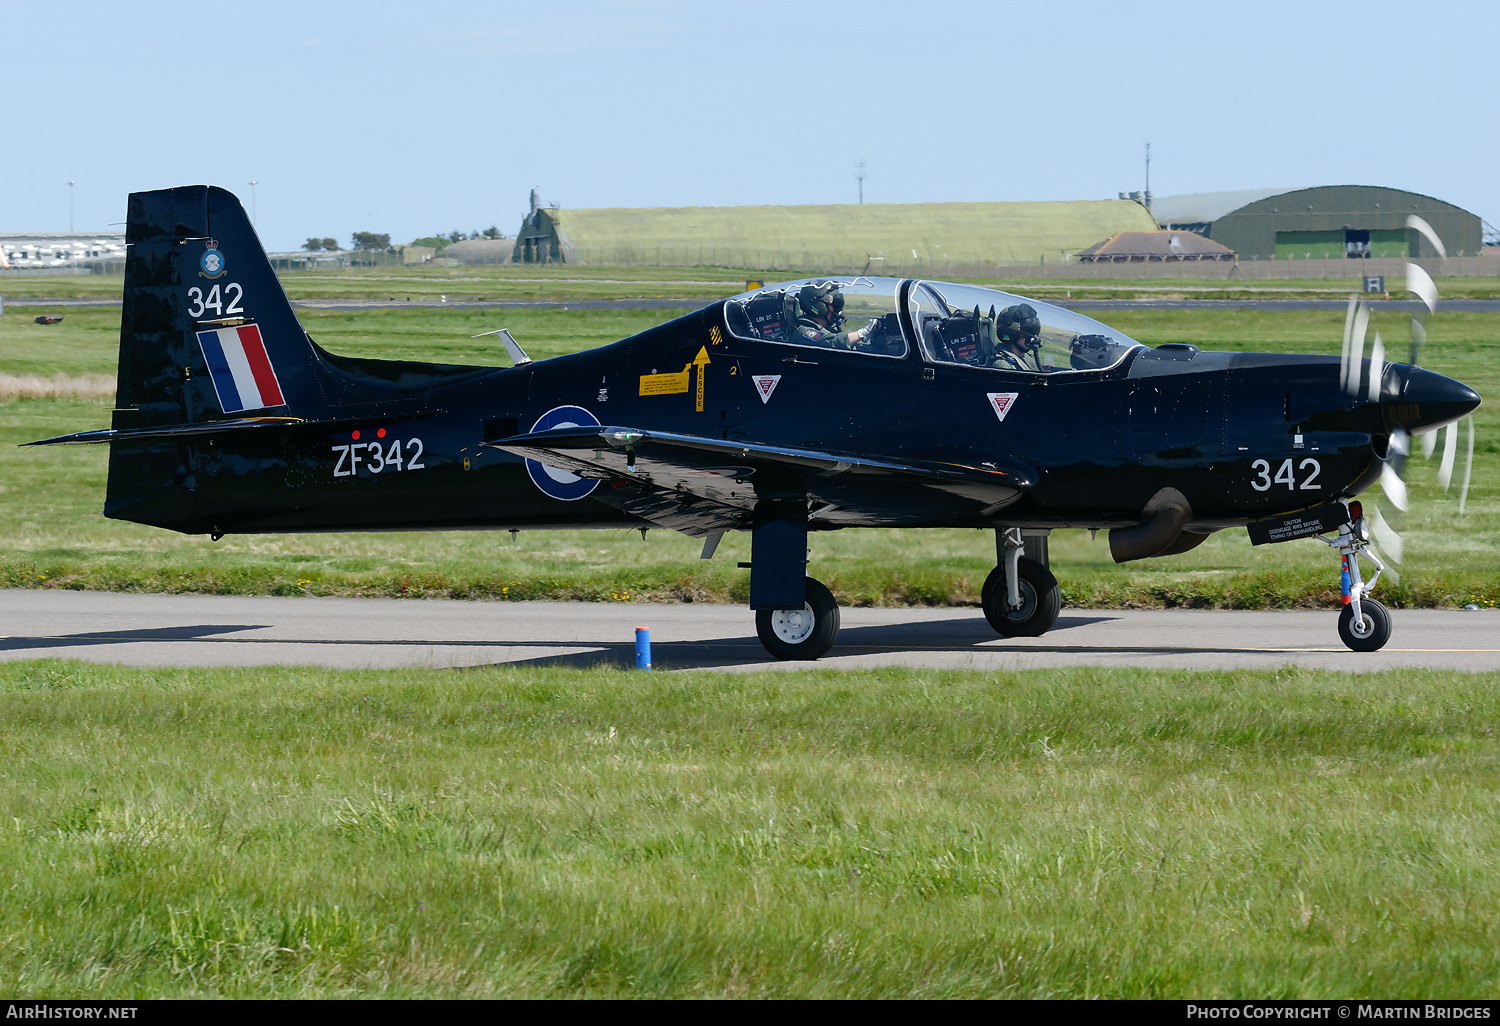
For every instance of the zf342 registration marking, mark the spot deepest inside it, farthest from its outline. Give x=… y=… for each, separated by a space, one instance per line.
x=376 y=456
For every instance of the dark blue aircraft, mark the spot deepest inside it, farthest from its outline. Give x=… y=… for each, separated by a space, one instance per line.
x=811 y=405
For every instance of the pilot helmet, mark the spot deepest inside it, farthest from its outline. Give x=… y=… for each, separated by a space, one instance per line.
x=825 y=300
x=1020 y=323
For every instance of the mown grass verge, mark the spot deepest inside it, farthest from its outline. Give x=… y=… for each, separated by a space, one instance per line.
x=894 y=833
x=827 y=834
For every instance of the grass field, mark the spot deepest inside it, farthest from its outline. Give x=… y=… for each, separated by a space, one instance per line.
x=898 y=833
x=56 y=538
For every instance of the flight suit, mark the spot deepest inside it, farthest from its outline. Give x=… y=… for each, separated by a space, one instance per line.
x=810 y=332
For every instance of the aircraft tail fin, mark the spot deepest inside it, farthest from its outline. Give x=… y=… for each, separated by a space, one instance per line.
x=207 y=333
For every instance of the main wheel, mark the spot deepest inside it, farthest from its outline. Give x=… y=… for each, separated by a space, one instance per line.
x=1041 y=601
x=805 y=633
x=1371 y=632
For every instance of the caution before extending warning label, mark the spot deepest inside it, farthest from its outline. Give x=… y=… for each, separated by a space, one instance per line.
x=1308 y=522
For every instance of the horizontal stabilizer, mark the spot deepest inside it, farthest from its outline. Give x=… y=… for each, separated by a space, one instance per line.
x=210 y=427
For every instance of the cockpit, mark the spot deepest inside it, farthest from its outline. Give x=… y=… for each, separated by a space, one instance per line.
x=964 y=325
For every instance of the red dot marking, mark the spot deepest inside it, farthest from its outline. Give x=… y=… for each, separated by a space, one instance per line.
x=380 y=433
x=356 y=436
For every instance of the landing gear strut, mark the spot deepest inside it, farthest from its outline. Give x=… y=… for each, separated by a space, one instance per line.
x=805 y=633
x=1021 y=598
x=1364 y=624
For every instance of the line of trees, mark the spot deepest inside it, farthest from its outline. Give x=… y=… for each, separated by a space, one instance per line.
x=380 y=242
x=438 y=240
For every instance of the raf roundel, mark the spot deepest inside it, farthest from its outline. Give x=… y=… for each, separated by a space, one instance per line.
x=559 y=483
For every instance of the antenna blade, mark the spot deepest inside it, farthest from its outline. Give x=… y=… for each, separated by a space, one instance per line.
x=517 y=354
x=512 y=347
x=1377 y=367
x=1385 y=535
x=1394 y=487
x=1450 y=450
x=1463 y=491
x=1420 y=282
x=1413 y=221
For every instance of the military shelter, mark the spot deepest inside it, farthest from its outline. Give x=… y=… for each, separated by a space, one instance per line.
x=1353 y=221
x=1165 y=245
x=883 y=236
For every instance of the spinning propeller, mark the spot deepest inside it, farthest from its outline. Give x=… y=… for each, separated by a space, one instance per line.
x=1390 y=384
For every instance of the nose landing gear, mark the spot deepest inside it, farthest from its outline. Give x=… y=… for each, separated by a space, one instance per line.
x=1364 y=623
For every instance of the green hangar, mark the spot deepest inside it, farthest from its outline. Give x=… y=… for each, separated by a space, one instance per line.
x=1354 y=221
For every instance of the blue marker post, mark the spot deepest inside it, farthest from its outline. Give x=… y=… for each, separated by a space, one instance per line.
x=643 y=648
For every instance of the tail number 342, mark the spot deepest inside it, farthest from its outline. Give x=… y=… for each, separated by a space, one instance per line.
x=1309 y=468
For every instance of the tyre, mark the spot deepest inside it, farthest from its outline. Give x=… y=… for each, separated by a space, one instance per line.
x=1041 y=601
x=1373 y=629
x=805 y=633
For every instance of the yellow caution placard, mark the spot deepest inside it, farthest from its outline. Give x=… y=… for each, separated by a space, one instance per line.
x=672 y=384
x=666 y=384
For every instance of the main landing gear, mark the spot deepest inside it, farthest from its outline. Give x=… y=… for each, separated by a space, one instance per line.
x=1021 y=598
x=805 y=633
x=1364 y=624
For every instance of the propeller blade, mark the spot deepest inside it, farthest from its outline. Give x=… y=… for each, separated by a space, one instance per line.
x=1463 y=491
x=1418 y=337
x=1420 y=282
x=1413 y=221
x=1429 y=444
x=1394 y=487
x=1355 y=324
x=1450 y=450
x=1390 y=542
x=1377 y=367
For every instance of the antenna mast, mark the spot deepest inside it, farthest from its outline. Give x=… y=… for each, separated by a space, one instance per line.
x=1148 y=175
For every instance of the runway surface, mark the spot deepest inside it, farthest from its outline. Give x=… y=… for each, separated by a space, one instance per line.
x=178 y=630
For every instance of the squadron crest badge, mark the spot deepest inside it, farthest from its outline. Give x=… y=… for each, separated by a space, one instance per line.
x=212 y=261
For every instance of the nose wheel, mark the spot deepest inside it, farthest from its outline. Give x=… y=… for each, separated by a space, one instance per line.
x=805 y=633
x=1370 y=631
x=1364 y=624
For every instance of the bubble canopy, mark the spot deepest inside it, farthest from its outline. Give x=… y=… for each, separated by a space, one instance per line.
x=964 y=325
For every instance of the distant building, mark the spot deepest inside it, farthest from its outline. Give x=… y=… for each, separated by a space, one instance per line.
x=61 y=249
x=1353 y=221
x=1142 y=247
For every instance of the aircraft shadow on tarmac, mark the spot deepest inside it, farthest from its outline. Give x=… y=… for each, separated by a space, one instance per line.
x=958 y=634
x=204 y=632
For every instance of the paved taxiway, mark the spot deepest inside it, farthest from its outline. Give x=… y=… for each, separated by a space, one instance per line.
x=191 y=630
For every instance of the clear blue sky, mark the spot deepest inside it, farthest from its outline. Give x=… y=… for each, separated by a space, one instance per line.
x=410 y=118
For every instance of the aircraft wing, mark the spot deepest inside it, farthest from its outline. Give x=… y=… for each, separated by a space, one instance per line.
x=716 y=483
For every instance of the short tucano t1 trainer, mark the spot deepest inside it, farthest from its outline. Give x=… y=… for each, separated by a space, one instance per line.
x=812 y=405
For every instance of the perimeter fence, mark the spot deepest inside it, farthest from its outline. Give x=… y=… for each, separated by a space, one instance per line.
x=1487 y=265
